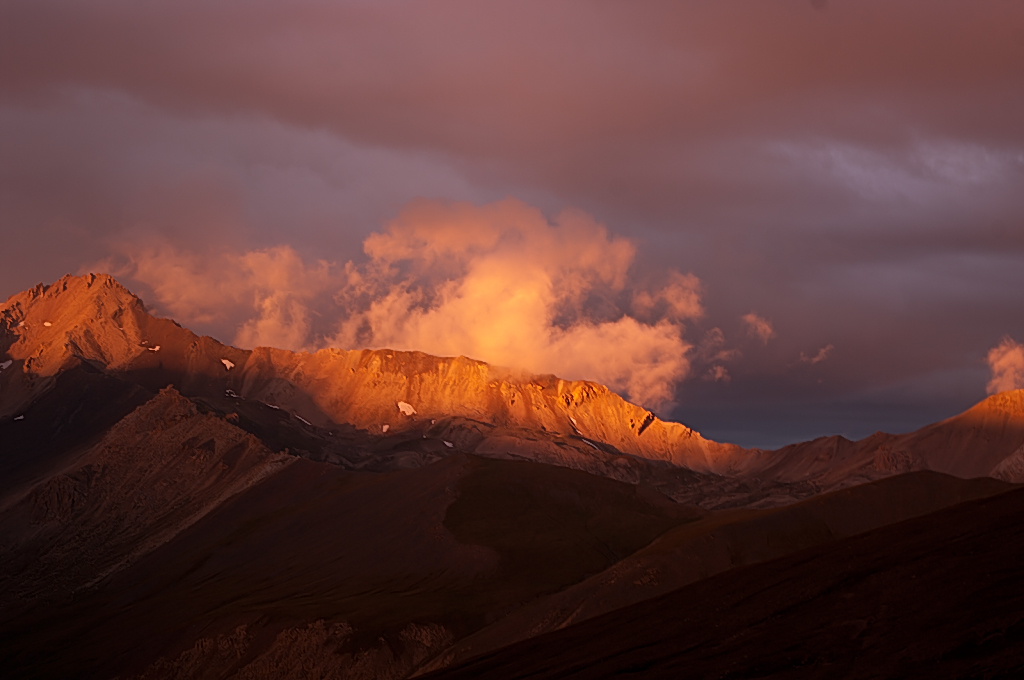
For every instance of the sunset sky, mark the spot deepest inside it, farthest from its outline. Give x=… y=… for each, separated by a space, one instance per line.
x=768 y=220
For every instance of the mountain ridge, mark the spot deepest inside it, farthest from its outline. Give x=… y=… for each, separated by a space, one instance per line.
x=466 y=403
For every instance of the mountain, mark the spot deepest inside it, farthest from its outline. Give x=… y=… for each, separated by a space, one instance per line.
x=173 y=507
x=342 y=402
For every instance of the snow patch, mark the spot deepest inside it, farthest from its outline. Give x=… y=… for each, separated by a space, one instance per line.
x=154 y=349
x=47 y=324
x=227 y=364
x=230 y=393
x=21 y=324
x=276 y=408
x=6 y=365
x=385 y=428
x=303 y=420
x=20 y=418
x=448 y=444
x=590 y=443
x=406 y=409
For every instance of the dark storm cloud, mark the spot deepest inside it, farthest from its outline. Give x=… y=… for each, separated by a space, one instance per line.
x=850 y=170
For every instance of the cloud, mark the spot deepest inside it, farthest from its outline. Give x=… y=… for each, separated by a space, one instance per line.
x=759 y=327
x=502 y=283
x=499 y=282
x=266 y=295
x=717 y=374
x=1006 y=361
x=822 y=354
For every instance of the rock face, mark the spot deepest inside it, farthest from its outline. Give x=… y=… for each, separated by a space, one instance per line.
x=363 y=387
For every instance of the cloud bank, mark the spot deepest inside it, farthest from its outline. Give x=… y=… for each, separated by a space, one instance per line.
x=499 y=282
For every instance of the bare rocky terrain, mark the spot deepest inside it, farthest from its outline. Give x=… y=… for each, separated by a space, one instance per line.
x=172 y=507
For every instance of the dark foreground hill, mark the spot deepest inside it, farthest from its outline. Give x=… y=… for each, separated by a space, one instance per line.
x=935 y=597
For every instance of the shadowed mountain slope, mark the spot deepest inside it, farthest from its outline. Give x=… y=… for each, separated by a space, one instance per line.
x=726 y=540
x=433 y=553
x=937 y=597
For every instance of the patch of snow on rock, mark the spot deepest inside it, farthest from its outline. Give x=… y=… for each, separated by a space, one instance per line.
x=227 y=364
x=154 y=349
x=590 y=443
x=385 y=428
x=406 y=409
x=303 y=420
x=6 y=365
x=230 y=393
x=20 y=418
x=448 y=444
x=47 y=324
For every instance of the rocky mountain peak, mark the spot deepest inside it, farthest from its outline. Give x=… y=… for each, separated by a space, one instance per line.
x=1009 y=404
x=91 y=317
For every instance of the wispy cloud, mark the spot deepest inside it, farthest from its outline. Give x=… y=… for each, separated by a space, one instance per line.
x=822 y=354
x=759 y=327
x=1006 y=361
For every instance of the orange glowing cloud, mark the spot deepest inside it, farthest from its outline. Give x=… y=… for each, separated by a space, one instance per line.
x=499 y=282
x=269 y=291
x=503 y=283
x=1006 y=361
x=759 y=327
x=821 y=355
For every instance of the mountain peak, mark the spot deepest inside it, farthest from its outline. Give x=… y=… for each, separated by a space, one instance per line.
x=91 y=317
x=1009 y=403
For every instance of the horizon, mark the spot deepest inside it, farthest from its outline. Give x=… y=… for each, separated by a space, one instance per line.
x=767 y=223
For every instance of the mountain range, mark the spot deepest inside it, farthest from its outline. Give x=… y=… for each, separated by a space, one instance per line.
x=173 y=507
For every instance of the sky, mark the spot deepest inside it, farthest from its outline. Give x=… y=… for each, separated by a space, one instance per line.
x=770 y=221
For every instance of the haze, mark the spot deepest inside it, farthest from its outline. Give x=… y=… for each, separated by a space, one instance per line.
x=770 y=221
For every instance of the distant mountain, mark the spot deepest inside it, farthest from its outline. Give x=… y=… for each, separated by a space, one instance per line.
x=173 y=507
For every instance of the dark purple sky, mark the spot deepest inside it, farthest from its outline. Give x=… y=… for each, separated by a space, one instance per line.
x=844 y=181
